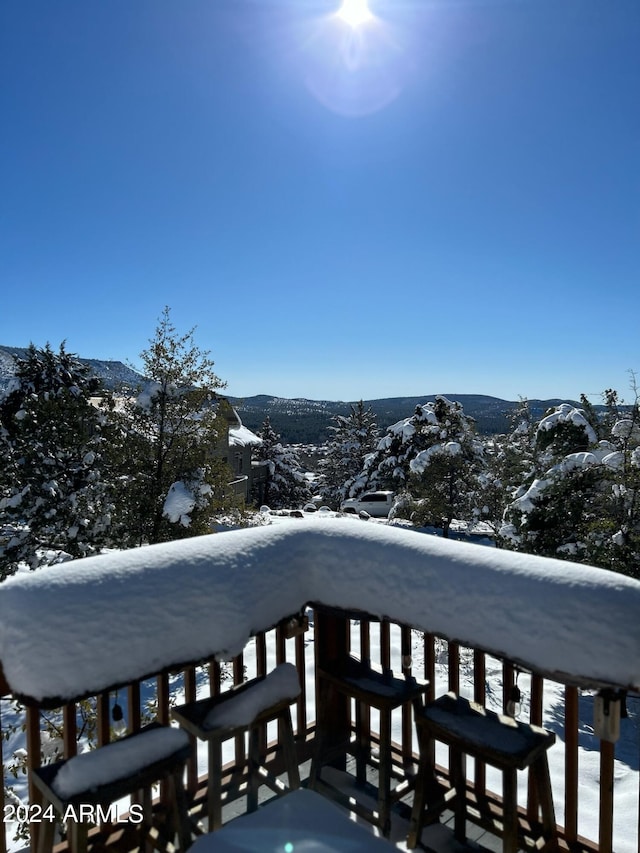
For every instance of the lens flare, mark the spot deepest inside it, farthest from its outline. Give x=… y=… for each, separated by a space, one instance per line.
x=354 y=61
x=354 y=12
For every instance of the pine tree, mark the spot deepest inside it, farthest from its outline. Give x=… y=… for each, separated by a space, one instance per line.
x=286 y=485
x=510 y=460
x=353 y=436
x=54 y=502
x=435 y=457
x=444 y=474
x=583 y=501
x=168 y=438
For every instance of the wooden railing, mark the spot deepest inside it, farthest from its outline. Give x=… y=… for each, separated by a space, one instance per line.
x=445 y=664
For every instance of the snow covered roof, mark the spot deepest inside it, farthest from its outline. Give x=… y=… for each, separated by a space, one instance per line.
x=92 y=624
x=241 y=436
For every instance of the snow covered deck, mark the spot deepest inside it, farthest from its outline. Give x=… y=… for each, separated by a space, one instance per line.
x=85 y=628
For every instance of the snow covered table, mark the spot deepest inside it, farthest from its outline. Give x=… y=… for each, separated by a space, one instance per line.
x=470 y=729
x=302 y=820
x=77 y=786
x=245 y=708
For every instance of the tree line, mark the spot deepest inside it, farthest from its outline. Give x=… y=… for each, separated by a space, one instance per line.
x=564 y=485
x=83 y=469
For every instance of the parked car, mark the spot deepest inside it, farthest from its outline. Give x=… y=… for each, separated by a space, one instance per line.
x=377 y=504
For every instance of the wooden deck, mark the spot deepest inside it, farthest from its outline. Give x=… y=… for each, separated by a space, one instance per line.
x=391 y=645
x=437 y=838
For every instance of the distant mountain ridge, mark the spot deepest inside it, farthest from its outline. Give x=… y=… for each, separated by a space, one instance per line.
x=303 y=421
x=115 y=375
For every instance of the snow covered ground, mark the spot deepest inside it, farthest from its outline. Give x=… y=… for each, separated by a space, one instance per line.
x=486 y=597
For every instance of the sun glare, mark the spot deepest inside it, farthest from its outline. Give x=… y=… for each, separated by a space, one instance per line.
x=354 y=12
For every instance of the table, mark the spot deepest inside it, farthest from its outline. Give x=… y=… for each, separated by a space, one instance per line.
x=299 y=822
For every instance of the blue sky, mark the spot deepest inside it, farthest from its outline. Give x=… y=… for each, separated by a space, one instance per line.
x=445 y=200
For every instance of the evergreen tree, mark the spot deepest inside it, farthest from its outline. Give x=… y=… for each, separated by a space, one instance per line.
x=583 y=504
x=168 y=437
x=563 y=430
x=444 y=474
x=353 y=436
x=286 y=485
x=435 y=457
x=54 y=502
x=388 y=466
x=432 y=424
x=509 y=461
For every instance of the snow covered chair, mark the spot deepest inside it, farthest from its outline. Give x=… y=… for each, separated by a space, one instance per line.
x=370 y=687
x=245 y=708
x=471 y=729
x=81 y=788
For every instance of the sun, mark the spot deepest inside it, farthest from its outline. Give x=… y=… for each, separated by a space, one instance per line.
x=354 y=12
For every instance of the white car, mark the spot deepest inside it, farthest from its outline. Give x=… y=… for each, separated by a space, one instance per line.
x=377 y=504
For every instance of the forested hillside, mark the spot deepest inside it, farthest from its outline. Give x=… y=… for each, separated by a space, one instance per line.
x=306 y=421
x=303 y=421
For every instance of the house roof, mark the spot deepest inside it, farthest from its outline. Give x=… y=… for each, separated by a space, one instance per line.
x=241 y=436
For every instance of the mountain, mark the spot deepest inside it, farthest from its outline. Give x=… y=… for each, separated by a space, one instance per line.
x=115 y=375
x=302 y=421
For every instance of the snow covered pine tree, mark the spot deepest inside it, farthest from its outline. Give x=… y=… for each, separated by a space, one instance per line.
x=353 y=436
x=285 y=484
x=54 y=503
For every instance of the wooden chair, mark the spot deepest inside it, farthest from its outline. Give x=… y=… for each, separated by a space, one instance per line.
x=374 y=688
x=77 y=786
x=245 y=708
x=498 y=740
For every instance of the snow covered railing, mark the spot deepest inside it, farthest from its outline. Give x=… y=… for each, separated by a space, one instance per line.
x=66 y=632
x=91 y=626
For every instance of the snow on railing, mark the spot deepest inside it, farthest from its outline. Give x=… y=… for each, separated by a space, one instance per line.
x=71 y=631
x=66 y=632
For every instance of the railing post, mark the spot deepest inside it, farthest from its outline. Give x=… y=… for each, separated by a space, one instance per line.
x=331 y=644
x=3 y=835
x=261 y=669
x=33 y=761
x=571 y=723
x=301 y=705
x=190 y=692
x=535 y=717
x=479 y=696
x=70 y=729
x=607 y=753
x=407 y=710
